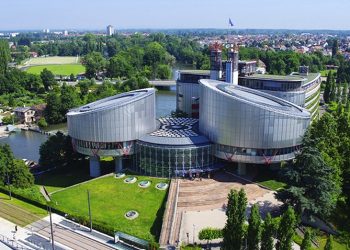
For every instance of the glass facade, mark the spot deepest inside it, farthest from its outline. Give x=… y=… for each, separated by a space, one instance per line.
x=171 y=161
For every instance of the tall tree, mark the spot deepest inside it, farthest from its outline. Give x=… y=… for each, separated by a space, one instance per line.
x=47 y=78
x=233 y=231
x=254 y=228
x=13 y=171
x=335 y=47
x=312 y=189
x=94 y=63
x=285 y=230
x=69 y=99
x=52 y=112
x=267 y=234
x=5 y=56
x=328 y=88
x=306 y=243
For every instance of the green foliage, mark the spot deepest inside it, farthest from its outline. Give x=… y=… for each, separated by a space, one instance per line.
x=52 y=112
x=311 y=189
x=12 y=171
x=254 y=228
x=328 y=88
x=57 y=151
x=306 y=243
x=47 y=78
x=267 y=234
x=209 y=234
x=42 y=123
x=9 y=119
x=234 y=229
x=329 y=244
x=285 y=230
x=5 y=56
x=94 y=63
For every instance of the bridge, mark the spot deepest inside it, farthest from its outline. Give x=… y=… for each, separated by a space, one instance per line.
x=162 y=83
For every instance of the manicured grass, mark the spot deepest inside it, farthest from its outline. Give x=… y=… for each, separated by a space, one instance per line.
x=62 y=69
x=63 y=177
x=19 y=212
x=111 y=198
x=273 y=184
x=52 y=60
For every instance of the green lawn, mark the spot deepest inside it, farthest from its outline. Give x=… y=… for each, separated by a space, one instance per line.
x=19 y=212
x=62 y=69
x=62 y=177
x=111 y=198
x=273 y=184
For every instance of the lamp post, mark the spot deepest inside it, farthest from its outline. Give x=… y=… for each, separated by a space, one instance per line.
x=47 y=197
x=88 y=195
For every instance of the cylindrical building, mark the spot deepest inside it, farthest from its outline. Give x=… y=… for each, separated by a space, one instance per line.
x=249 y=126
x=109 y=127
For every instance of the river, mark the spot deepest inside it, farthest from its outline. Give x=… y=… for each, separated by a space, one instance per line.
x=25 y=144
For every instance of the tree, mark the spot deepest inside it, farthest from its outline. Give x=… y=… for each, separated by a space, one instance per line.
x=335 y=47
x=254 y=228
x=52 y=112
x=5 y=56
x=267 y=233
x=94 y=63
x=42 y=123
x=306 y=243
x=164 y=71
x=209 y=234
x=312 y=189
x=119 y=67
x=233 y=231
x=57 y=151
x=13 y=170
x=285 y=230
x=47 y=78
x=329 y=243
x=69 y=99
x=333 y=94
x=328 y=88
x=154 y=55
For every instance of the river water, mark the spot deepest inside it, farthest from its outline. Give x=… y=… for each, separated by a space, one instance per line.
x=25 y=144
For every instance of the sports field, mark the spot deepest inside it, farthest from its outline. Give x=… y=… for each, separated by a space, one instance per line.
x=52 y=60
x=62 y=69
x=111 y=198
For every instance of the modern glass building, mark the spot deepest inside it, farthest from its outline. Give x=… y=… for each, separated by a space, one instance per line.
x=250 y=126
x=175 y=149
x=110 y=127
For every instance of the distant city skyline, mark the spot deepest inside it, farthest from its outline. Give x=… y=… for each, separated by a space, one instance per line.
x=163 y=14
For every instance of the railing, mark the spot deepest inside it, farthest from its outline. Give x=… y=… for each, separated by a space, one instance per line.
x=174 y=210
x=11 y=243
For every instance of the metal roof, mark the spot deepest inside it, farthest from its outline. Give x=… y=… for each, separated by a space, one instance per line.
x=112 y=101
x=176 y=132
x=256 y=98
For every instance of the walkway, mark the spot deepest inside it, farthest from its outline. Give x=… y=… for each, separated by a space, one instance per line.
x=35 y=233
x=201 y=203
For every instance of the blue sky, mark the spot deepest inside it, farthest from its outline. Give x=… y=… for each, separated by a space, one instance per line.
x=123 y=14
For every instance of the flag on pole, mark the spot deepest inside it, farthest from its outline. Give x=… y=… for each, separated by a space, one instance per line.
x=230 y=22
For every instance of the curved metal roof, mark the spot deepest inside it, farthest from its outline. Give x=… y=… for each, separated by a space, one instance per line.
x=256 y=98
x=112 y=101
